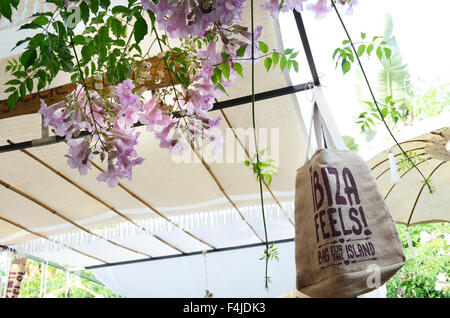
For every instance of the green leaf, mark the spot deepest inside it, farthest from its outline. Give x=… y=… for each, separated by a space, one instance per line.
x=140 y=29
x=13 y=99
x=84 y=12
x=363 y=35
x=116 y=27
x=28 y=58
x=336 y=52
x=288 y=51
x=384 y=112
x=350 y=143
x=29 y=84
x=5 y=10
x=41 y=20
x=238 y=68
x=295 y=64
x=369 y=49
x=283 y=62
x=89 y=29
x=380 y=53
x=119 y=9
x=387 y=52
x=268 y=63
x=87 y=51
x=105 y=4
x=275 y=58
x=60 y=29
x=345 y=66
x=293 y=56
x=263 y=47
x=22 y=90
x=225 y=67
x=78 y=39
x=241 y=51
x=94 y=6
x=361 y=49
x=13 y=82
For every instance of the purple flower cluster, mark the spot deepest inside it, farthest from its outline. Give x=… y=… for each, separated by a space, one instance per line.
x=185 y=18
x=320 y=7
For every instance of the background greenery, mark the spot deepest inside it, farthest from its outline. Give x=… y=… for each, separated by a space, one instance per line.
x=419 y=277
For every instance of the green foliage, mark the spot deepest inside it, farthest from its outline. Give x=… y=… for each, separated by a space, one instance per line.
x=350 y=143
x=270 y=253
x=404 y=102
x=345 y=55
x=419 y=277
x=404 y=164
x=6 y=7
x=430 y=102
x=104 y=45
x=33 y=283
x=394 y=78
x=264 y=170
x=388 y=111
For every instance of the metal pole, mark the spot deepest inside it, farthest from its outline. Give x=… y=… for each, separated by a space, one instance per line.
x=217 y=250
x=306 y=47
x=219 y=105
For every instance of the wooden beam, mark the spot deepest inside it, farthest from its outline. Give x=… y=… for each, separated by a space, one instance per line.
x=227 y=120
x=222 y=189
x=151 y=207
x=48 y=239
x=31 y=103
x=65 y=218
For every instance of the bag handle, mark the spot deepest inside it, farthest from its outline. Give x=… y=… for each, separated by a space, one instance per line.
x=324 y=130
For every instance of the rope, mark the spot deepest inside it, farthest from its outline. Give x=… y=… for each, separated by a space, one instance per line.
x=208 y=294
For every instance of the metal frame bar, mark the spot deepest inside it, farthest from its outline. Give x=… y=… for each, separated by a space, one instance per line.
x=219 y=105
x=306 y=47
x=217 y=250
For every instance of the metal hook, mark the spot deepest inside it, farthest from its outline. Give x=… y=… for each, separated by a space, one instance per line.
x=310 y=87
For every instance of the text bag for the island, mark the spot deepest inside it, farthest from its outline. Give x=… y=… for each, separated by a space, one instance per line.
x=346 y=243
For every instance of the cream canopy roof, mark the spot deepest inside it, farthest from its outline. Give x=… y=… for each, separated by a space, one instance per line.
x=409 y=200
x=43 y=198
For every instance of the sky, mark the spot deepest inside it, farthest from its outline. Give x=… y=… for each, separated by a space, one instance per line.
x=421 y=30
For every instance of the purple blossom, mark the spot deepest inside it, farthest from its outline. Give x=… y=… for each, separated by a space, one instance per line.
x=276 y=6
x=320 y=8
x=79 y=156
x=50 y=113
x=151 y=115
x=217 y=143
x=111 y=176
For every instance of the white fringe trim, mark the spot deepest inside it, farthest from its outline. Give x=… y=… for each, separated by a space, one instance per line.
x=191 y=222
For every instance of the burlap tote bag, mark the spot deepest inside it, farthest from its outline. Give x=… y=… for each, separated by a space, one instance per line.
x=346 y=243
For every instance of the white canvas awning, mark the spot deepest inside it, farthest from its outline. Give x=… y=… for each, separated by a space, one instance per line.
x=42 y=198
x=409 y=200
